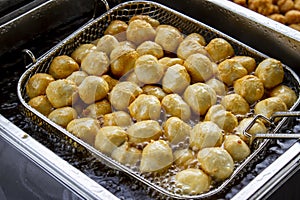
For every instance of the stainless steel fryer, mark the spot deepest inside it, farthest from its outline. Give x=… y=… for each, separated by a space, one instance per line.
x=95 y=28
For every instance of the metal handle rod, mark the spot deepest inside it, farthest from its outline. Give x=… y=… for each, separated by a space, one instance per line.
x=285 y=114
x=277 y=135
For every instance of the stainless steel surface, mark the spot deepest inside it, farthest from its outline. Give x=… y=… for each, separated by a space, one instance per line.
x=273 y=177
x=51 y=163
x=165 y=15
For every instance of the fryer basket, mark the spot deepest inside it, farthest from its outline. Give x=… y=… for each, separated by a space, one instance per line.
x=95 y=29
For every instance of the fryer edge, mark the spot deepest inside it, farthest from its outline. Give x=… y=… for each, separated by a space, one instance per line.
x=115 y=164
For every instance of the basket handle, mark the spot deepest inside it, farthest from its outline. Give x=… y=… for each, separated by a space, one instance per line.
x=96 y=4
x=28 y=53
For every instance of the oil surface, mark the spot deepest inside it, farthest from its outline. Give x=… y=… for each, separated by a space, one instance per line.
x=118 y=183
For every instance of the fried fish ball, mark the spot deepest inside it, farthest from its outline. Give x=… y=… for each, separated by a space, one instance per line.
x=168 y=37
x=250 y=87
x=106 y=44
x=184 y=158
x=37 y=84
x=287 y=95
x=285 y=5
x=193 y=181
x=117 y=118
x=292 y=17
x=62 y=93
x=80 y=52
x=62 y=116
x=126 y=154
x=147 y=18
x=247 y=62
x=216 y=162
x=92 y=89
x=264 y=7
x=77 y=77
x=196 y=37
x=219 y=87
x=236 y=147
x=117 y=28
x=110 y=81
x=270 y=105
x=156 y=156
x=297 y=4
x=148 y=70
x=150 y=47
x=219 y=49
x=205 y=134
x=199 y=67
x=176 y=130
x=241 y=2
x=168 y=62
x=155 y=91
x=270 y=72
x=230 y=70
x=258 y=127
x=278 y=17
x=108 y=138
x=175 y=106
x=95 y=63
x=123 y=59
x=145 y=107
x=41 y=104
x=188 y=47
x=139 y=31
x=236 y=104
x=224 y=119
x=131 y=77
x=123 y=94
x=144 y=131
x=97 y=109
x=200 y=97
x=84 y=128
x=62 y=66
x=295 y=26
x=176 y=79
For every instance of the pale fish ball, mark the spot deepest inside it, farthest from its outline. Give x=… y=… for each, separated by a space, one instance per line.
x=270 y=72
x=109 y=138
x=145 y=107
x=199 y=67
x=176 y=130
x=193 y=181
x=117 y=118
x=269 y=106
x=77 y=77
x=200 y=97
x=175 y=106
x=219 y=49
x=236 y=104
x=236 y=147
x=126 y=155
x=176 y=79
x=250 y=87
x=216 y=162
x=168 y=37
x=139 y=31
x=62 y=116
x=106 y=44
x=144 y=131
x=287 y=94
x=92 y=89
x=148 y=70
x=224 y=119
x=84 y=128
x=205 y=134
x=123 y=94
x=150 y=47
x=95 y=63
x=157 y=156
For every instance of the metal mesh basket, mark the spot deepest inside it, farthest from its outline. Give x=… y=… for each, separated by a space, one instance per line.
x=94 y=30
